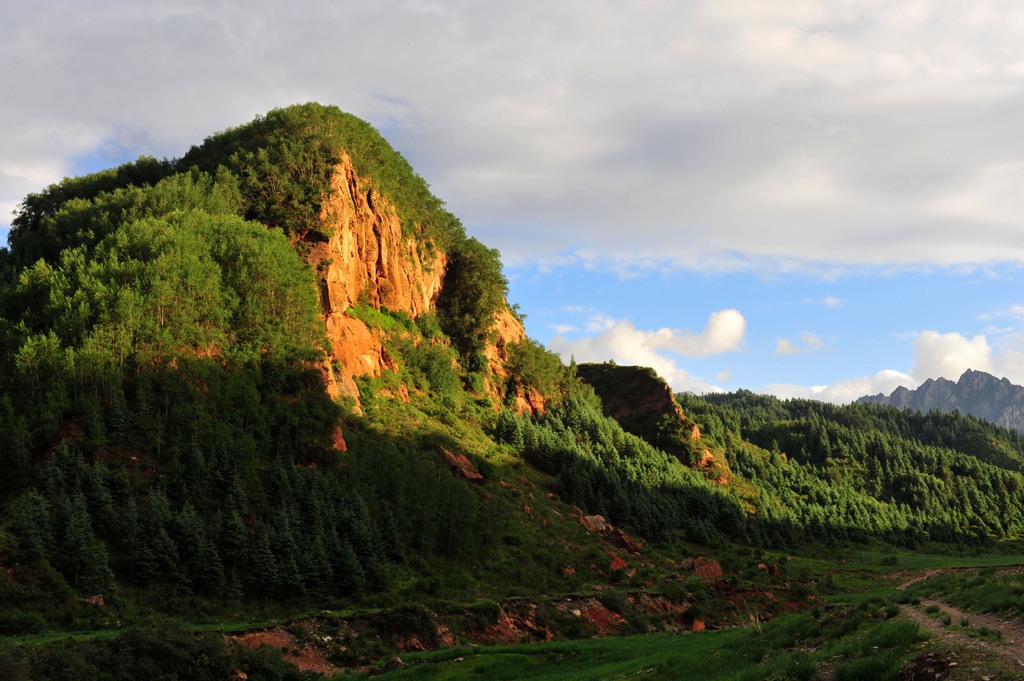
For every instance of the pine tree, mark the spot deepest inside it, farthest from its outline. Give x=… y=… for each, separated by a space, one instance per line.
x=265 y=577
x=81 y=556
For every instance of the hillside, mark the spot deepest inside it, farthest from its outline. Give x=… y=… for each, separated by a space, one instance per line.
x=977 y=393
x=273 y=389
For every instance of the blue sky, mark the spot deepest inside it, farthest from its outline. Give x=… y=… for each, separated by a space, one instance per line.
x=811 y=197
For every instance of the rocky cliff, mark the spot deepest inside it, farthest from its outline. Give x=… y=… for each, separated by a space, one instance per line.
x=976 y=392
x=368 y=261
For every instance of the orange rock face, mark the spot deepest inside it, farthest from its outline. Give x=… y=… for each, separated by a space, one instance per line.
x=368 y=255
x=367 y=258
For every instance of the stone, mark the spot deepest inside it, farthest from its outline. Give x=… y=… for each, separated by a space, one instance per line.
x=709 y=569
x=624 y=541
x=461 y=465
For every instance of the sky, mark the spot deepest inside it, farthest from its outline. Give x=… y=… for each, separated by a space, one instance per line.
x=818 y=198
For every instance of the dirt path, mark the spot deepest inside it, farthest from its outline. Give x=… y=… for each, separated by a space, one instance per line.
x=1010 y=648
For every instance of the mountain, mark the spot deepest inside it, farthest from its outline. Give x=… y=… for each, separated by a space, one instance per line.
x=275 y=380
x=976 y=392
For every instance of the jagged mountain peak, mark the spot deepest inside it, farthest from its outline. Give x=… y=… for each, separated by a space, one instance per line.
x=975 y=392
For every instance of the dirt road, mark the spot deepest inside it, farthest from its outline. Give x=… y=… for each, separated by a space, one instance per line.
x=1010 y=649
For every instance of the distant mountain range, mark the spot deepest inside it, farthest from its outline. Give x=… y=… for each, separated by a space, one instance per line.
x=978 y=393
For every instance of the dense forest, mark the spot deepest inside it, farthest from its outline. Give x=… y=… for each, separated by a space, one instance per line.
x=167 y=440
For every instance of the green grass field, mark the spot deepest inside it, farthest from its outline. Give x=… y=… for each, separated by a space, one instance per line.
x=859 y=641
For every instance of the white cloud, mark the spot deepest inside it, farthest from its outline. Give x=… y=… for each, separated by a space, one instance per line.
x=832 y=302
x=1011 y=311
x=599 y=322
x=624 y=343
x=948 y=355
x=847 y=390
x=808 y=343
x=723 y=376
x=786 y=347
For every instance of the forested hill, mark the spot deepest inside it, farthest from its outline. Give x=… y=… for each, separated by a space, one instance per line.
x=976 y=392
x=865 y=468
x=275 y=376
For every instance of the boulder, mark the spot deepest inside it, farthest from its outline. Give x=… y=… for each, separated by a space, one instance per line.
x=460 y=465
x=623 y=541
x=709 y=569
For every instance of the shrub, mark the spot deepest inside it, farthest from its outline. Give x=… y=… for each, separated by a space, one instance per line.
x=615 y=601
x=20 y=623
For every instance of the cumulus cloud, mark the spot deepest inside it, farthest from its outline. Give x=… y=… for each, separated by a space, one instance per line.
x=739 y=135
x=808 y=343
x=623 y=342
x=949 y=354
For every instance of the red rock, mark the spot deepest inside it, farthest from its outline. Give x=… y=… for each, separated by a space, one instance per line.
x=527 y=509
x=630 y=572
x=698 y=625
x=709 y=569
x=339 y=440
x=624 y=541
x=594 y=522
x=461 y=465
x=721 y=480
x=526 y=483
x=617 y=563
x=695 y=433
x=568 y=571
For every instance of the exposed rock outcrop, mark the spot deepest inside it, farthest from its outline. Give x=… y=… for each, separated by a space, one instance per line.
x=368 y=261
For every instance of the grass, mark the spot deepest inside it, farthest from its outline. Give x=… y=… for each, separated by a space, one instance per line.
x=985 y=591
x=858 y=641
